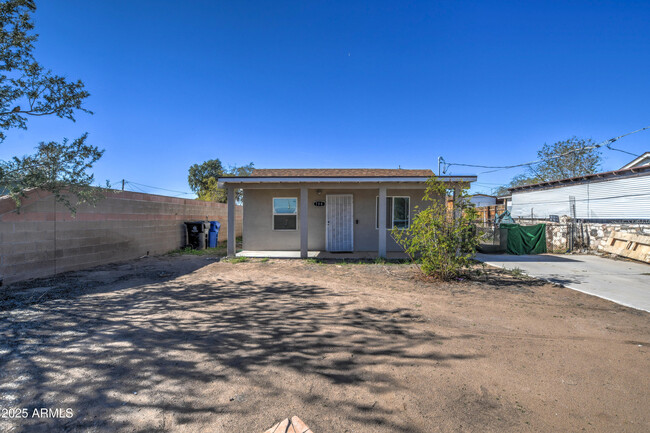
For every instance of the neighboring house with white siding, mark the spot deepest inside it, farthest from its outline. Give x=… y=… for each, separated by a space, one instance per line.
x=619 y=195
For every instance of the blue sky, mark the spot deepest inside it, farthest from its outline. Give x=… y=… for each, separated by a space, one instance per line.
x=343 y=83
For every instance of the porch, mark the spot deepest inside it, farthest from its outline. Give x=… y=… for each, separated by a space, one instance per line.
x=327 y=213
x=324 y=221
x=326 y=255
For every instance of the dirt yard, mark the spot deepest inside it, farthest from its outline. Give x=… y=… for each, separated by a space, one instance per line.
x=189 y=344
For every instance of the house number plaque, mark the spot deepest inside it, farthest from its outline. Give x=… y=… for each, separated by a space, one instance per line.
x=319 y=203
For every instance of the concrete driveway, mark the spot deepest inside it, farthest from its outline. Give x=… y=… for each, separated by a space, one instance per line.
x=621 y=281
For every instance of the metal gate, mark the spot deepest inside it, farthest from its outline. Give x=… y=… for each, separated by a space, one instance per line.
x=340 y=223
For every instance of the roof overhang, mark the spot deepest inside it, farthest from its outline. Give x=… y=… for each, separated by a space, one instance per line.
x=596 y=177
x=252 y=180
x=637 y=160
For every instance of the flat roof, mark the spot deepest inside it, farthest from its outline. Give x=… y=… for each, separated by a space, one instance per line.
x=607 y=175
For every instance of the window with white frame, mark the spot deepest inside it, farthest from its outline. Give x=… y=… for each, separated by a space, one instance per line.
x=398 y=212
x=285 y=213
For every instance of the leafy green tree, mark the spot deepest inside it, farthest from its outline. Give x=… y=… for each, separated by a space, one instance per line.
x=212 y=192
x=443 y=242
x=60 y=168
x=200 y=174
x=568 y=158
x=202 y=179
x=27 y=90
x=244 y=170
x=519 y=180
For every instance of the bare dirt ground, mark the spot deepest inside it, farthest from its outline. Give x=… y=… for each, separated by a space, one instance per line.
x=189 y=344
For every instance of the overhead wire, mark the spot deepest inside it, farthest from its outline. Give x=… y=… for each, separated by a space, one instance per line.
x=134 y=188
x=623 y=151
x=158 y=188
x=493 y=169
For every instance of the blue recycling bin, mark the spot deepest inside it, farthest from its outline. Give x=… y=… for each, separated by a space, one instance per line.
x=213 y=234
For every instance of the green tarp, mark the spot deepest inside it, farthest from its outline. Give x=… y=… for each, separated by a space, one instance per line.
x=525 y=239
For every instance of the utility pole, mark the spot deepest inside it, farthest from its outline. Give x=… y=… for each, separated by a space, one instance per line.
x=441 y=161
x=122 y=184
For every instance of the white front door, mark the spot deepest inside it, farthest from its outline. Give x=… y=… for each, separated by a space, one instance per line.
x=340 y=223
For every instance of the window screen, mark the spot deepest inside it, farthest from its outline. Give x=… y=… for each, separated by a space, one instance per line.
x=285 y=213
x=401 y=212
x=397 y=212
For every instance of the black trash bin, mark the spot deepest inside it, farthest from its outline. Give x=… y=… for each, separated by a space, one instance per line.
x=196 y=233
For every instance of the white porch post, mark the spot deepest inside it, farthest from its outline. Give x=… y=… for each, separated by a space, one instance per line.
x=304 y=222
x=232 y=240
x=382 y=222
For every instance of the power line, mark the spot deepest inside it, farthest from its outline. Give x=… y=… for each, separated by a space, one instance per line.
x=623 y=151
x=134 y=188
x=493 y=169
x=155 y=187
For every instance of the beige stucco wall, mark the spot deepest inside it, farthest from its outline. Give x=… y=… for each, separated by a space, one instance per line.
x=259 y=235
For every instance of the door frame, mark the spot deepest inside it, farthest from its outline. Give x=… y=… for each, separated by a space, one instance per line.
x=327 y=225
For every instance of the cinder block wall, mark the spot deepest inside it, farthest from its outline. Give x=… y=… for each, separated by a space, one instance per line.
x=44 y=238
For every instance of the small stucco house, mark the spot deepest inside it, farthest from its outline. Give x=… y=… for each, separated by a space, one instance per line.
x=315 y=212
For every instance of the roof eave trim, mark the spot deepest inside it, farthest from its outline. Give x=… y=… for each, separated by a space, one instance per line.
x=414 y=179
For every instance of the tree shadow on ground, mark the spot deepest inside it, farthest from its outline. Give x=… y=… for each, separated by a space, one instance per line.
x=171 y=338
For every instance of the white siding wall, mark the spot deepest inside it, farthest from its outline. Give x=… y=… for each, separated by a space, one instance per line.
x=626 y=198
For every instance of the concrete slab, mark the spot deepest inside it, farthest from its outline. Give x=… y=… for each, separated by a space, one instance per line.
x=275 y=254
x=359 y=255
x=621 y=281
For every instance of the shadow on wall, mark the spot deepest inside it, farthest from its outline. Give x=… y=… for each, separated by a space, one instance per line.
x=44 y=238
x=125 y=341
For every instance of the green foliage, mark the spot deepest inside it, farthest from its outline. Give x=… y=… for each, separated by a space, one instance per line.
x=567 y=158
x=244 y=170
x=200 y=174
x=211 y=192
x=519 y=180
x=518 y=273
x=237 y=260
x=60 y=168
x=563 y=159
x=202 y=179
x=220 y=250
x=443 y=242
x=27 y=89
